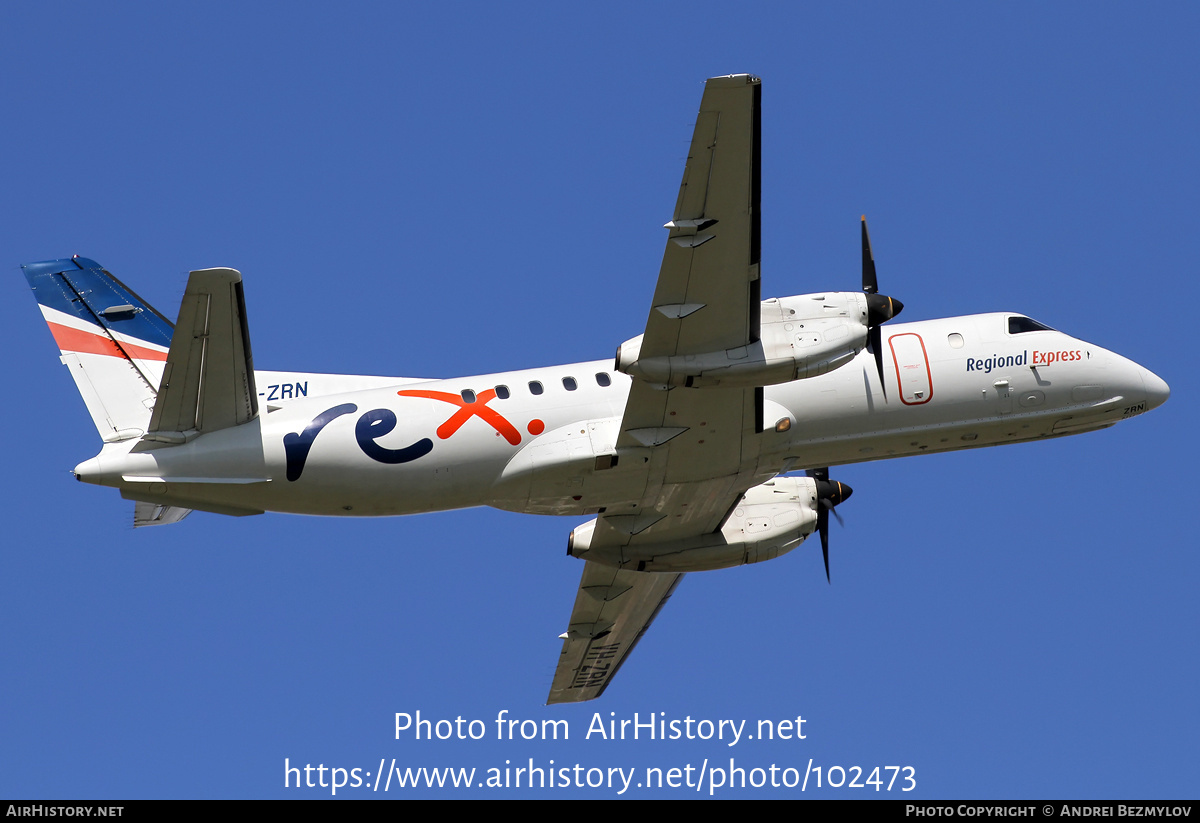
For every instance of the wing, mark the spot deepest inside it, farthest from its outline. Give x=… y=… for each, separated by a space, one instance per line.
x=612 y=611
x=707 y=298
x=700 y=443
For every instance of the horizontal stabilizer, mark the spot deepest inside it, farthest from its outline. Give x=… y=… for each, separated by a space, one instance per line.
x=169 y=502
x=152 y=514
x=208 y=381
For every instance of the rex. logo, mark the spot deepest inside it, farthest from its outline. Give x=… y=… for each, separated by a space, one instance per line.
x=376 y=423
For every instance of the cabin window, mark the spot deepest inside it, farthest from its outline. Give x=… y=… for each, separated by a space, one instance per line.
x=955 y=340
x=569 y=384
x=535 y=387
x=602 y=379
x=502 y=392
x=1020 y=325
x=468 y=396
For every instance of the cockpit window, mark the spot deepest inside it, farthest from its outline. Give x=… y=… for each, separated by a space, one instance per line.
x=1020 y=325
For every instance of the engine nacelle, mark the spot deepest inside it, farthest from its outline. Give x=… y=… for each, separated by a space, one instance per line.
x=771 y=519
x=799 y=337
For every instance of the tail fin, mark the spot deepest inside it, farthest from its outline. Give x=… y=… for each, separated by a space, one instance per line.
x=114 y=343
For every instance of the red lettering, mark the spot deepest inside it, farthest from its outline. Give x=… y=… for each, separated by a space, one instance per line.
x=476 y=408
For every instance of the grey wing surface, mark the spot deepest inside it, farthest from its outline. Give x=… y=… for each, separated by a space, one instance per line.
x=612 y=610
x=707 y=297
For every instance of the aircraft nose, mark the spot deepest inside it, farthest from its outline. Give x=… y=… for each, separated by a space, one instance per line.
x=1157 y=390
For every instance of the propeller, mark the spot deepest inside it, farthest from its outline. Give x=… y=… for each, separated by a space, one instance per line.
x=880 y=308
x=829 y=494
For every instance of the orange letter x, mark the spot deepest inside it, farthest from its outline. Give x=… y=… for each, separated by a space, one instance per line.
x=476 y=408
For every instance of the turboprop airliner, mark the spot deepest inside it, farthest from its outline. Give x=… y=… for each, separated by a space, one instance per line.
x=705 y=443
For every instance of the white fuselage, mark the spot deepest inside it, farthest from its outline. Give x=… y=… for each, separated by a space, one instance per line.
x=417 y=446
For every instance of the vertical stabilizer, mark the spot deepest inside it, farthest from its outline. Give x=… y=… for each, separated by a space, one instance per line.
x=113 y=342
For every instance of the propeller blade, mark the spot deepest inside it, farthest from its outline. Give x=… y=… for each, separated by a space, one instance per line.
x=880 y=308
x=875 y=344
x=829 y=494
x=823 y=528
x=870 y=282
x=840 y=521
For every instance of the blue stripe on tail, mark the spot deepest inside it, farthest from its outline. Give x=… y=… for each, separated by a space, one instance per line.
x=82 y=288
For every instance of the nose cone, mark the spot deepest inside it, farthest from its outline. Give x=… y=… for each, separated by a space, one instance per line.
x=833 y=491
x=881 y=308
x=1157 y=390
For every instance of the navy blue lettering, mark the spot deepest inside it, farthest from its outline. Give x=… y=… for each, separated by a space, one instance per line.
x=296 y=446
x=375 y=424
x=286 y=391
x=1000 y=362
x=369 y=428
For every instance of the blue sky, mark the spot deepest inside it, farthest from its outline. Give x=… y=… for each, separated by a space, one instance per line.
x=479 y=188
